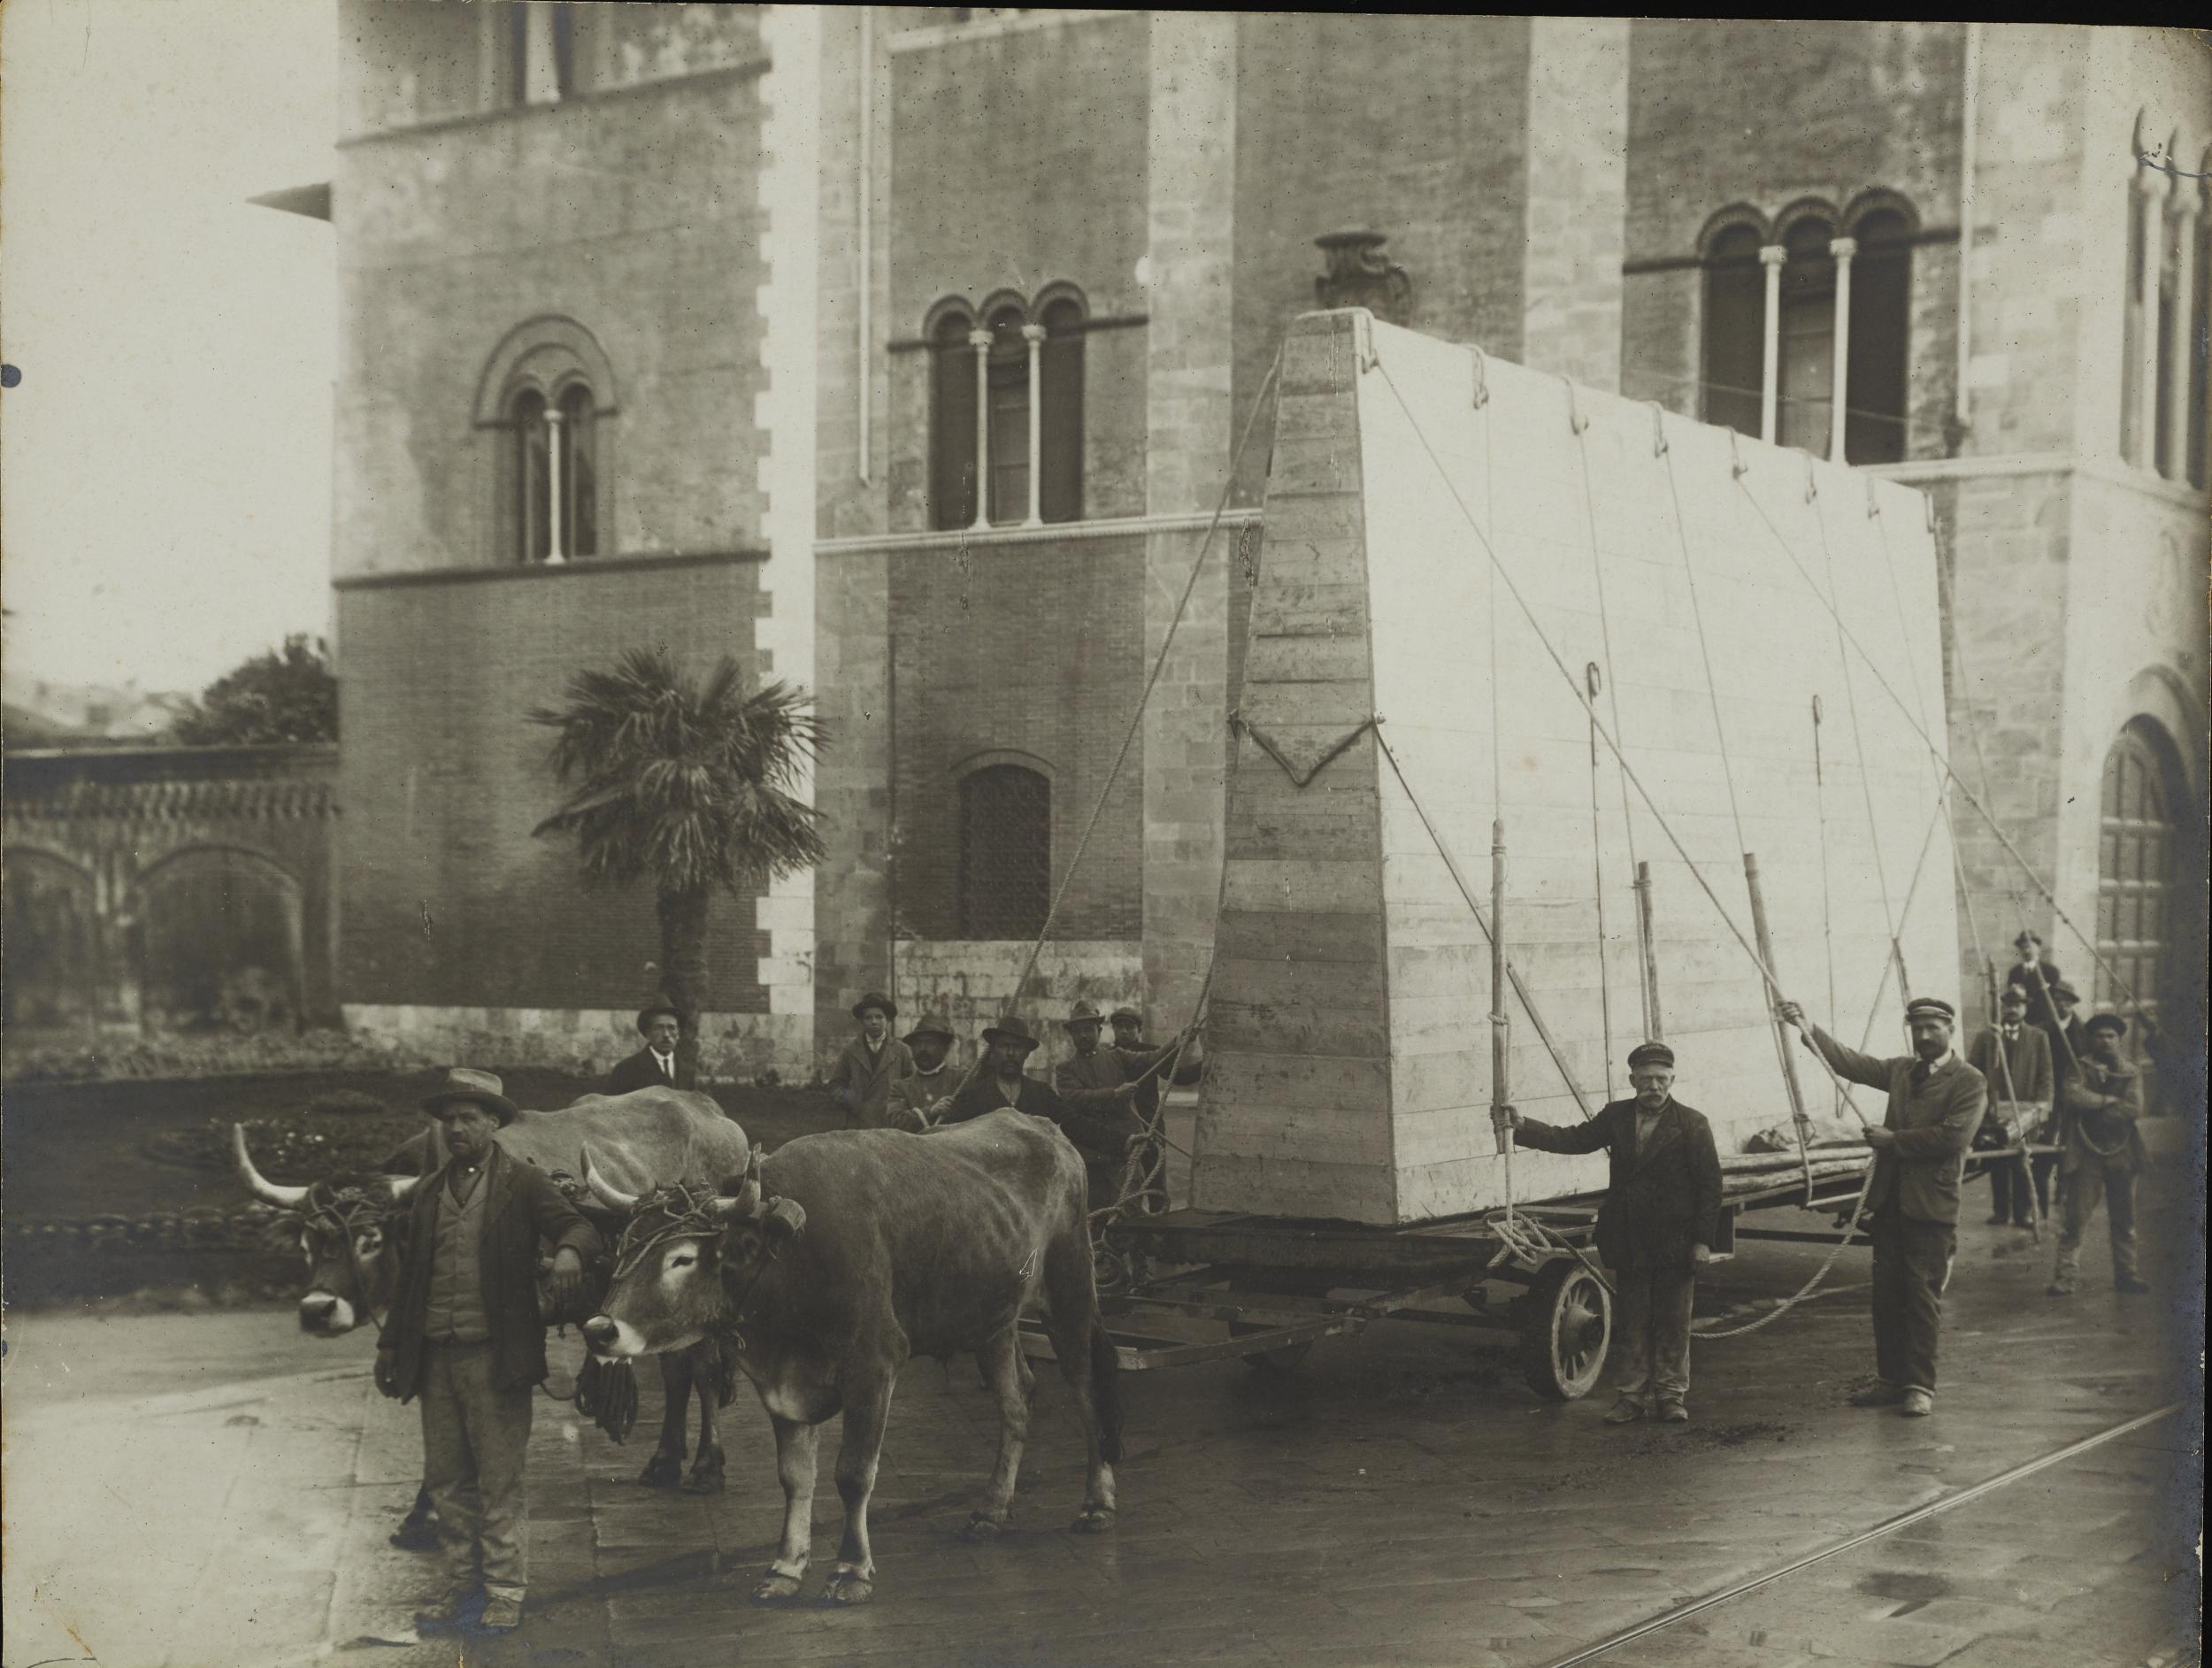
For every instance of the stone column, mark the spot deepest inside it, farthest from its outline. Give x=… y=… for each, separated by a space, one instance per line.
x=980 y=341
x=2151 y=184
x=2180 y=348
x=1034 y=336
x=1843 y=249
x=1770 y=374
x=1577 y=198
x=1192 y=153
x=556 y=482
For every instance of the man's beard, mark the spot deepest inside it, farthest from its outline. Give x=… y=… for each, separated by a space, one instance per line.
x=1931 y=1049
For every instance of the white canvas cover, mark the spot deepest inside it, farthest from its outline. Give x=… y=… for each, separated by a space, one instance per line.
x=1350 y=1070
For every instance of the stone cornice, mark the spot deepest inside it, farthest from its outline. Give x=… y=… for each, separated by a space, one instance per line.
x=1051 y=533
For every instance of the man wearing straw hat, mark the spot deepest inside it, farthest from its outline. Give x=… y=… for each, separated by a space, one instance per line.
x=466 y=1337
x=1936 y=1102
x=1655 y=1229
x=872 y=1062
x=2104 y=1154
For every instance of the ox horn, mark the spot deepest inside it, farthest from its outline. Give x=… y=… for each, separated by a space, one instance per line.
x=257 y=1183
x=402 y=1186
x=605 y=1191
x=746 y=1201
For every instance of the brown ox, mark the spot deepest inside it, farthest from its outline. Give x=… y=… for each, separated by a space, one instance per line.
x=844 y=1254
x=350 y=1228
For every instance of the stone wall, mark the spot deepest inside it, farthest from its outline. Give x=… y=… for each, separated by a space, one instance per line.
x=970 y=983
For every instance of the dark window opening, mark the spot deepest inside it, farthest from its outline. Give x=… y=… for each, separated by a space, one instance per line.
x=1807 y=372
x=1735 y=303
x=951 y=425
x=1008 y=374
x=533 y=476
x=579 y=506
x=1005 y=852
x=1881 y=330
x=1061 y=393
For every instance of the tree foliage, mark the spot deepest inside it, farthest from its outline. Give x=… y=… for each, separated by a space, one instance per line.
x=283 y=694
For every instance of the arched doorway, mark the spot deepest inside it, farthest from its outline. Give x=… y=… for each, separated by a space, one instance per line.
x=220 y=942
x=53 y=949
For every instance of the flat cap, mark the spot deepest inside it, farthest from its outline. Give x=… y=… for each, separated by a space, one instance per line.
x=1651 y=1054
x=1930 y=1008
x=2111 y=1022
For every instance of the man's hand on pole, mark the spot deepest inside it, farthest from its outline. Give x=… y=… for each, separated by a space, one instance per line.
x=1790 y=1013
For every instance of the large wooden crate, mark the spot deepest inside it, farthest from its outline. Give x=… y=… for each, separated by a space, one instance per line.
x=1350 y=1042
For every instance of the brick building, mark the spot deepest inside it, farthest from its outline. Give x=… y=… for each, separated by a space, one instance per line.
x=904 y=352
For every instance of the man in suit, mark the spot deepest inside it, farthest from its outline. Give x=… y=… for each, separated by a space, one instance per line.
x=466 y=1339
x=2015 y=1058
x=654 y=1065
x=913 y=1100
x=1936 y=1102
x=2036 y=977
x=872 y=1062
x=1102 y=1133
x=1655 y=1229
x=2104 y=1155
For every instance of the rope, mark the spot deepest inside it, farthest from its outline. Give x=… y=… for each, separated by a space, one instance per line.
x=1612 y=745
x=1827 y=892
x=2119 y=984
x=1819 y=1274
x=1597 y=887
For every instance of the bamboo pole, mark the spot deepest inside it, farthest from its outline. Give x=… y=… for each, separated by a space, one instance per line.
x=1501 y=1023
x=1654 y=1026
x=1764 y=938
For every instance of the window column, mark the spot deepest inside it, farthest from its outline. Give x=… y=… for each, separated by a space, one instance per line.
x=556 y=473
x=1842 y=249
x=2181 y=346
x=2151 y=184
x=1770 y=372
x=979 y=340
x=1035 y=336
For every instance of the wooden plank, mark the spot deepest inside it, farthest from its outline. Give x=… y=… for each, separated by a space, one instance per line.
x=1264 y=884
x=1322 y=1135
x=1355 y=1192
x=1282 y=658
x=1303 y=936
x=1242 y=1078
x=1296 y=1029
x=1317 y=606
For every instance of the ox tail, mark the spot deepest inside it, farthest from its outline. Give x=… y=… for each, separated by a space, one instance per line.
x=1105 y=1388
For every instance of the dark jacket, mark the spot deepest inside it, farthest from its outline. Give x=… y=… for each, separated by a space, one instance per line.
x=1100 y=1135
x=1662 y=1199
x=861 y=1082
x=642 y=1070
x=1933 y=1120
x=1090 y=1079
x=521 y=1209
x=2018 y=1073
x=2104 y=1103
x=2042 y=1015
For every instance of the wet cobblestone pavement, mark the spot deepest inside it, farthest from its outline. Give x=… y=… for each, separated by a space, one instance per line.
x=216 y=1489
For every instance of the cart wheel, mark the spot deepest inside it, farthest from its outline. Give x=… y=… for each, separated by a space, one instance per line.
x=1566 y=1322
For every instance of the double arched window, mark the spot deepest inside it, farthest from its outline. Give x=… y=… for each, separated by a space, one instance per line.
x=548 y=397
x=1006 y=412
x=1831 y=297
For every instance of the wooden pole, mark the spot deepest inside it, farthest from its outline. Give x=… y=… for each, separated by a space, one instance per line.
x=1500 y=1023
x=1765 y=942
x=1655 y=1025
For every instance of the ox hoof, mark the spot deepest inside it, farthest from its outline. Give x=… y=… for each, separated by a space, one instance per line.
x=1093 y=1520
x=849 y=1587
x=776 y=1588
x=981 y=1527
x=704 y=1480
x=663 y=1471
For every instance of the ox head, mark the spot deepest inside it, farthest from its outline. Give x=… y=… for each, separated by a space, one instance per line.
x=348 y=1234
x=679 y=1254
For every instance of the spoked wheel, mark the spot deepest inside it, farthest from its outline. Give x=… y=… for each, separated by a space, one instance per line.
x=1566 y=1322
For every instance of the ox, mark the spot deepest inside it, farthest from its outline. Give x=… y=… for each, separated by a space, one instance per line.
x=350 y=1228
x=842 y=1255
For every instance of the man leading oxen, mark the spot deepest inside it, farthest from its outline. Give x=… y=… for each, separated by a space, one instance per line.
x=844 y=1254
x=352 y=1228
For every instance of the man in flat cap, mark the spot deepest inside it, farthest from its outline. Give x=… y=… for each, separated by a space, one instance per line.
x=2014 y=1059
x=465 y=1338
x=872 y=1062
x=2104 y=1155
x=654 y=1065
x=1655 y=1229
x=913 y=1100
x=1102 y=1136
x=1936 y=1103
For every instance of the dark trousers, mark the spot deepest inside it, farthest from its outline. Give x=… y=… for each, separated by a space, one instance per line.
x=2090 y=1186
x=1651 y=1332
x=2009 y=1183
x=1912 y=1266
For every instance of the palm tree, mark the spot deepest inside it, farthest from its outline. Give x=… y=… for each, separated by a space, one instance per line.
x=687 y=785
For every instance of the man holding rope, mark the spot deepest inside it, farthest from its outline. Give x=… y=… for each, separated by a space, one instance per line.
x=2015 y=1058
x=1101 y=1131
x=1093 y=1078
x=2104 y=1155
x=1936 y=1102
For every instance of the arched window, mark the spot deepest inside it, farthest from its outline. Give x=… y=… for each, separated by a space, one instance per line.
x=1009 y=358
x=951 y=422
x=554 y=475
x=1881 y=330
x=1807 y=370
x=1061 y=392
x=1735 y=303
x=2135 y=871
x=1005 y=852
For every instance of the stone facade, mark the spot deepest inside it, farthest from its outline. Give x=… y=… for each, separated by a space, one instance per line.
x=1546 y=186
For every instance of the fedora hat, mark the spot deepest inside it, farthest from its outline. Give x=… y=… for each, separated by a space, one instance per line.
x=930 y=1024
x=1083 y=1013
x=652 y=1011
x=1013 y=1028
x=463 y=1084
x=877 y=1000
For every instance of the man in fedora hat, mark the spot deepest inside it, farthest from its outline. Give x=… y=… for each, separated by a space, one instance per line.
x=1101 y=1136
x=1097 y=1079
x=873 y=1061
x=466 y=1339
x=2104 y=1155
x=913 y=1100
x=2036 y=979
x=1936 y=1102
x=654 y=1065
x=1655 y=1229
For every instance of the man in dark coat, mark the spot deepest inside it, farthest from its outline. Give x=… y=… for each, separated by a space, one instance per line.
x=654 y=1065
x=2015 y=1058
x=912 y=1101
x=465 y=1338
x=1093 y=1078
x=2104 y=1155
x=1936 y=1102
x=1101 y=1131
x=2035 y=978
x=872 y=1062
x=1655 y=1229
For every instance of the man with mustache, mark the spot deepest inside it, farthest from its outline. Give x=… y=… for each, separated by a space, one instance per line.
x=1655 y=1229
x=1936 y=1103
x=2104 y=1155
